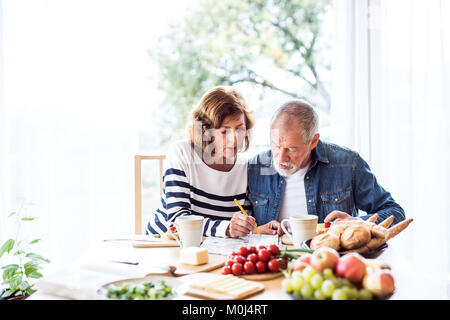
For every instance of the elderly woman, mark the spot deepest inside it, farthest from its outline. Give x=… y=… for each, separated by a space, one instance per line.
x=204 y=174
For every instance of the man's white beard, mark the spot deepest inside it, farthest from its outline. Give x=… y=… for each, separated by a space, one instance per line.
x=285 y=172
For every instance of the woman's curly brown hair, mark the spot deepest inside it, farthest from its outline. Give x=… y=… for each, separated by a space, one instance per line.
x=215 y=105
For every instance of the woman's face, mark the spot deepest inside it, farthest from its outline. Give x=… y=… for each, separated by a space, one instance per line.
x=229 y=137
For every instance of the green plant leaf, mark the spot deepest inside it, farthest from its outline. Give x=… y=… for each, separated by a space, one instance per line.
x=24 y=286
x=7 y=293
x=9 y=271
x=7 y=246
x=11 y=214
x=36 y=258
x=10 y=266
x=19 y=252
x=14 y=282
x=30 y=267
x=30 y=290
x=35 y=241
x=28 y=218
x=35 y=275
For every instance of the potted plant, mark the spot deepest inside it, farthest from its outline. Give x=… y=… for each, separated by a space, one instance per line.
x=17 y=277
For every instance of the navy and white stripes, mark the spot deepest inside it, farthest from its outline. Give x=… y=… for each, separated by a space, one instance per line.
x=193 y=188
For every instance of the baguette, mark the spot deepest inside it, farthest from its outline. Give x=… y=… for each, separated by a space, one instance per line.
x=396 y=229
x=387 y=222
x=373 y=218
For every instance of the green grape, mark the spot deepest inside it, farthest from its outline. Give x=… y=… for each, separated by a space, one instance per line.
x=365 y=294
x=339 y=282
x=346 y=283
x=339 y=294
x=328 y=274
x=319 y=295
x=298 y=283
x=308 y=273
x=316 y=281
x=307 y=291
x=328 y=288
x=298 y=292
x=287 y=285
x=296 y=275
x=353 y=293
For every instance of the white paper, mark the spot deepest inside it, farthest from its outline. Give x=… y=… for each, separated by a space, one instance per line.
x=225 y=246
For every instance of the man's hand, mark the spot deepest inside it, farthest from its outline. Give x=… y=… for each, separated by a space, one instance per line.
x=339 y=215
x=240 y=225
x=273 y=227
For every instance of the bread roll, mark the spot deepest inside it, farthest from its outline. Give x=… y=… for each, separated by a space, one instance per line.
x=355 y=237
x=327 y=239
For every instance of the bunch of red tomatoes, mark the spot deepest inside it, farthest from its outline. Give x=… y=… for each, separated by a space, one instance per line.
x=250 y=260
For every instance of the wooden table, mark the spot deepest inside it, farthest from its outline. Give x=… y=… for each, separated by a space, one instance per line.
x=410 y=283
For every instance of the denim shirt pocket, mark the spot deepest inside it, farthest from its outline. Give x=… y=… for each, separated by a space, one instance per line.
x=260 y=206
x=337 y=200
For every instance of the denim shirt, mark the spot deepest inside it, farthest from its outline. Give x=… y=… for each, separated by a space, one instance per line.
x=337 y=179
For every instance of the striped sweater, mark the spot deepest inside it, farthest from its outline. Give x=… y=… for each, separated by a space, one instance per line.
x=193 y=188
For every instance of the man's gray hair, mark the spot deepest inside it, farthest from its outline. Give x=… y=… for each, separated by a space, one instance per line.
x=305 y=115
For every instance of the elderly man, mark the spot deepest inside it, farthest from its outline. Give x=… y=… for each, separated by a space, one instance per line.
x=301 y=174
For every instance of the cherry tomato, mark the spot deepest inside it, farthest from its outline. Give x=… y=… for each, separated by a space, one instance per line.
x=239 y=259
x=235 y=253
x=274 y=249
x=261 y=267
x=253 y=257
x=249 y=267
x=262 y=247
x=327 y=224
x=274 y=265
x=237 y=269
x=243 y=251
x=229 y=263
x=226 y=270
x=264 y=255
x=252 y=249
x=283 y=262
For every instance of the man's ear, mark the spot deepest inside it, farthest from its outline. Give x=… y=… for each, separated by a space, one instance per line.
x=314 y=141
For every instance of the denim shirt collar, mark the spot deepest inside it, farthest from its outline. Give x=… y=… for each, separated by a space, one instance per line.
x=319 y=153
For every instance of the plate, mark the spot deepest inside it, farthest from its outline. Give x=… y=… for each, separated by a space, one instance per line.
x=369 y=254
x=178 y=287
x=261 y=276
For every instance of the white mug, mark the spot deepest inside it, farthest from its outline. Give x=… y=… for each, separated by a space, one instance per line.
x=190 y=230
x=302 y=227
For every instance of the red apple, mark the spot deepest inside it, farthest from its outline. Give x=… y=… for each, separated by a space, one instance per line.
x=299 y=265
x=352 y=267
x=306 y=257
x=324 y=258
x=379 y=282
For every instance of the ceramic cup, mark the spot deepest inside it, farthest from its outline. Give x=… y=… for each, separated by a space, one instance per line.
x=190 y=230
x=302 y=228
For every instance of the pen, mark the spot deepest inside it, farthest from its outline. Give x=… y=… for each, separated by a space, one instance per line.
x=243 y=211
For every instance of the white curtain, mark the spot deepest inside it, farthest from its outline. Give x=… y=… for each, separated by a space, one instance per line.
x=76 y=90
x=391 y=102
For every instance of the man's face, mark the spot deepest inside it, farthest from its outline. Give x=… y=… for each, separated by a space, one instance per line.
x=290 y=151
